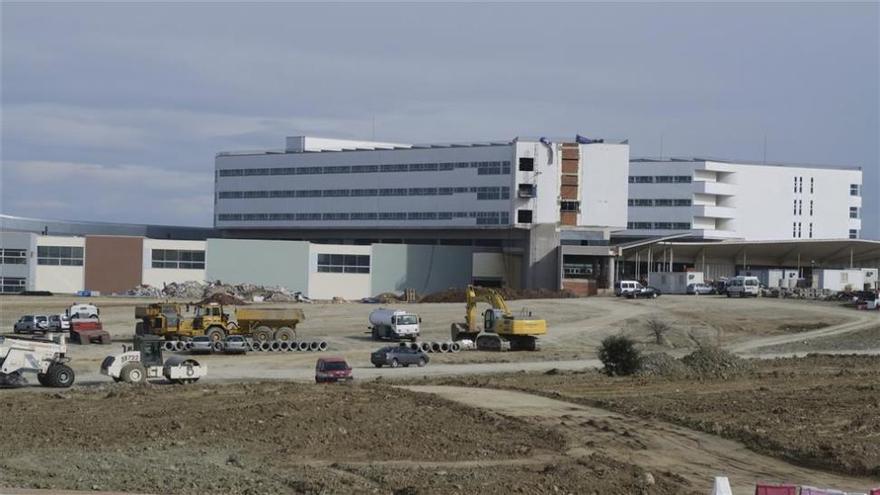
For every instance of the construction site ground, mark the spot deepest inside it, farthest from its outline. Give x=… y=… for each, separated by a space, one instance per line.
x=472 y=422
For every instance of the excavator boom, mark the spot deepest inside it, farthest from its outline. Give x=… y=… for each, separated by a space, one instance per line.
x=502 y=330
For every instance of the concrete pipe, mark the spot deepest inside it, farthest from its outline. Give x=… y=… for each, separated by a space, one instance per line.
x=303 y=346
x=425 y=346
x=217 y=346
x=415 y=346
x=292 y=346
x=188 y=345
x=274 y=346
x=179 y=346
x=323 y=345
x=444 y=346
x=455 y=347
x=435 y=347
x=168 y=345
x=283 y=346
x=314 y=346
x=255 y=346
x=265 y=346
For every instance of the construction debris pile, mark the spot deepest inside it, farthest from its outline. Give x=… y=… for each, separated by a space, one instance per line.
x=218 y=292
x=705 y=362
x=460 y=294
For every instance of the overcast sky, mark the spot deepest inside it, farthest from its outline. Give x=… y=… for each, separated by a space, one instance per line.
x=115 y=112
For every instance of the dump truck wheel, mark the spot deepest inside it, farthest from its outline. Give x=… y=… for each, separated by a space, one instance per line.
x=43 y=379
x=133 y=373
x=262 y=334
x=59 y=376
x=216 y=334
x=285 y=334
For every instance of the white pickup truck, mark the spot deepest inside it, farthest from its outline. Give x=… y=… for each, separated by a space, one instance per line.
x=394 y=324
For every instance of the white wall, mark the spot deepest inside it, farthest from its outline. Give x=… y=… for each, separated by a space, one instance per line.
x=545 y=205
x=156 y=277
x=60 y=279
x=349 y=286
x=747 y=201
x=603 y=187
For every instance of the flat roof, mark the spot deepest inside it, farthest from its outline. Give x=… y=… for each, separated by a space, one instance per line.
x=751 y=163
x=9 y=223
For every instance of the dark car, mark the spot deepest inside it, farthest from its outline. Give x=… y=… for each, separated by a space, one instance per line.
x=396 y=356
x=645 y=293
x=332 y=369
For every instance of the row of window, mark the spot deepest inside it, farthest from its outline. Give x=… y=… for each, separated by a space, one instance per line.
x=799 y=185
x=659 y=202
x=798 y=207
x=660 y=179
x=60 y=255
x=796 y=230
x=179 y=259
x=483 y=168
x=13 y=256
x=11 y=285
x=344 y=263
x=854 y=212
x=482 y=217
x=481 y=192
x=658 y=226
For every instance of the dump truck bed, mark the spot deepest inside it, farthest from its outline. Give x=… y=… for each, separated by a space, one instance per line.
x=290 y=315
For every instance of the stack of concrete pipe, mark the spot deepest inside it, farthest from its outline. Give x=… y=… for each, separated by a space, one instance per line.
x=439 y=347
x=268 y=346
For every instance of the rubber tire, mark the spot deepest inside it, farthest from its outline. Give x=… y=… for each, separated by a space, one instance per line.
x=375 y=334
x=60 y=376
x=285 y=334
x=422 y=363
x=216 y=334
x=395 y=363
x=378 y=365
x=262 y=334
x=41 y=377
x=133 y=373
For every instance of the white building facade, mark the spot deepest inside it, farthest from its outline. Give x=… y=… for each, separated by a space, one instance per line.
x=712 y=199
x=327 y=183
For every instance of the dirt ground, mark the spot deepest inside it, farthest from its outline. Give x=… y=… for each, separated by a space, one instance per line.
x=820 y=412
x=551 y=424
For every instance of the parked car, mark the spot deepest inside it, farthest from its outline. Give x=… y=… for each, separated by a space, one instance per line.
x=743 y=287
x=31 y=324
x=400 y=355
x=626 y=287
x=59 y=323
x=700 y=289
x=236 y=344
x=83 y=311
x=332 y=369
x=645 y=293
x=202 y=344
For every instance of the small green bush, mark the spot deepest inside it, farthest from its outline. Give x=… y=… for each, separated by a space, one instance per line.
x=619 y=355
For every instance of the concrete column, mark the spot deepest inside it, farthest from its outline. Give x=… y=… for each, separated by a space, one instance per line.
x=612 y=272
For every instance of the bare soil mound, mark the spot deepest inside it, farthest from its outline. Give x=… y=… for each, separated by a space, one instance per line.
x=715 y=362
x=662 y=364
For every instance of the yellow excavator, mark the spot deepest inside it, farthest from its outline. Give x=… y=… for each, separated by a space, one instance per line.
x=502 y=331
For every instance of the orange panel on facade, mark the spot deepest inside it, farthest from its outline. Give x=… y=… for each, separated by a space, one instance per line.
x=113 y=263
x=569 y=166
x=569 y=192
x=568 y=217
x=569 y=180
x=570 y=154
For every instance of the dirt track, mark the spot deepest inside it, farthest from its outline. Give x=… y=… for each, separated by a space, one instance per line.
x=655 y=446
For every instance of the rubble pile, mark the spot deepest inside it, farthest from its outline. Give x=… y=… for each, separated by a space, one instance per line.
x=218 y=292
x=458 y=294
x=714 y=362
x=662 y=364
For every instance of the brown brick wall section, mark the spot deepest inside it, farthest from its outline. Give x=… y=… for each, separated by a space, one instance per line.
x=569 y=180
x=570 y=154
x=113 y=263
x=569 y=166
x=568 y=217
x=569 y=192
x=580 y=287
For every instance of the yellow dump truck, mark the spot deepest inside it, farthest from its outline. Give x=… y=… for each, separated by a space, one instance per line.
x=180 y=321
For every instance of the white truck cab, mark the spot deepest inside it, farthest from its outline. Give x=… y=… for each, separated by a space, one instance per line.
x=394 y=324
x=743 y=287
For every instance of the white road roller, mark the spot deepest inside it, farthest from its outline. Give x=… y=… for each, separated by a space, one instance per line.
x=45 y=357
x=143 y=361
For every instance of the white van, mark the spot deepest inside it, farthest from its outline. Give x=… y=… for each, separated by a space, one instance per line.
x=743 y=287
x=627 y=288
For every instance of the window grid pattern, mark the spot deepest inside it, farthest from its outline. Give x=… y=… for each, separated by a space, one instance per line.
x=12 y=285
x=658 y=226
x=660 y=202
x=482 y=168
x=178 y=259
x=60 y=255
x=660 y=179
x=483 y=193
x=482 y=217
x=343 y=263
x=13 y=256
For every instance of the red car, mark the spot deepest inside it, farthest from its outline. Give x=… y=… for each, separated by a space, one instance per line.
x=332 y=369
